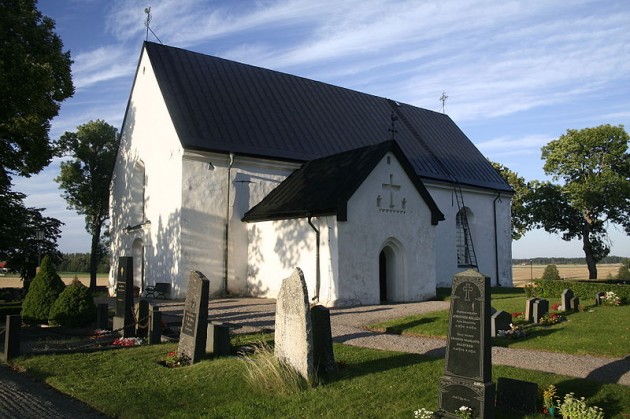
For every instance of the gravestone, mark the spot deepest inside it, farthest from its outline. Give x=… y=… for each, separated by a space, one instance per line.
x=541 y=307
x=565 y=299
x=123 y=320
x=529 y=309
x=516 y=395
x=12 y=337
x=142 y=330
x=218 y=340
x=155 y=325
x=598 y=298
x=102 y=316
x=500 y=320
x=294 y=333
x=575 y=303
x=323 y=355
x=192 y=336
x=467 y=379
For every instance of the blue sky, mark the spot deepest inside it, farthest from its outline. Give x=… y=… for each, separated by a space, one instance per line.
x=517 y=73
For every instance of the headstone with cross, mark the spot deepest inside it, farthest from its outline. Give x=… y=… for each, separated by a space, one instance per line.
x=467 y=379
x=192 y=336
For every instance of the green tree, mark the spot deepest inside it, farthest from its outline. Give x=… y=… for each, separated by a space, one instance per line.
x=521 y=218
x=624 y=271
x=74 y=308
x=594 y=167
x=35 y=78
x=42 y=294
x=551 y=273
x=85 y=179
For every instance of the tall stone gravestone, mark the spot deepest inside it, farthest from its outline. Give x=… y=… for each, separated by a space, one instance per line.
x=323 y=355
x=124 y=298
x=467 y=379
x=192 y=336
x=529 y=309
x=565 y=299
x=541 y=307
x=294 y=332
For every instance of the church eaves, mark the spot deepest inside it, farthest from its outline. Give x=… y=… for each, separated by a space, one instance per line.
x=223 y=106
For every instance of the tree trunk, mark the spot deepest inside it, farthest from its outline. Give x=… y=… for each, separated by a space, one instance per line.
x=94 y=254
x=591 y=263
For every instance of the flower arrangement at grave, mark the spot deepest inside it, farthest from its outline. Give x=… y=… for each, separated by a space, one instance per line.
x=174 y=360
x=574 y=408
x=515 y=332
x=518 y=317
x=551 y=318
x=611 y=299
x=464 y=412
x=550 y=398
x=127 y=342
x=423 y=413
x=555 y=307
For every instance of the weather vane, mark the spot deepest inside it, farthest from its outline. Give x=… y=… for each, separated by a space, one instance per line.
x=147 y=23
x=443 y=99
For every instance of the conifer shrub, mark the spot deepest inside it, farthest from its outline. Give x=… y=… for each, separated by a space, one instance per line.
x=551 y=273
x=74 y=308
x=42 y=293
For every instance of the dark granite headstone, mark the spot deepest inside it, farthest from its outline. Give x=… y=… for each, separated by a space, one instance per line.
x=541 y=307
x=575 y=303
x=323 y=355
x=218 y=340
x=467 y=379
x=518 y=396
x=142 y=330
x=12 y=335
x=565 y=299
x=124 y=298
x=500 y=320
x=598 y=298
x=102 y=316
x=192 y=337
x=155 y=325
x=529 y=309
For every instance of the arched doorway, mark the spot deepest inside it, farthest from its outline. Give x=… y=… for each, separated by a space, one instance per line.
x=391 y=272
x=138 y=263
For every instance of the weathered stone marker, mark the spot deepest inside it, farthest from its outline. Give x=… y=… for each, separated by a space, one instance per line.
x=500 y=320
x=155 y=325
x=294 y=333
x=598 y=298
x=218 y=340
x=565 y=299
x=541 y=307
x=192 y=336
x=142 y=329
x=575 y=303
x=467 y=379
x=124 y=298
x=516 y=395
x=12 y=337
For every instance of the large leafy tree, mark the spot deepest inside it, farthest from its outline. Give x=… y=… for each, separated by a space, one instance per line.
x=85 y=179
x=521 y=218
x=593 y=165
x=35 y=77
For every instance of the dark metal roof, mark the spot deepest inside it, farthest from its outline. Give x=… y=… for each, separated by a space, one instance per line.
x=324 y=186
x=224 y=106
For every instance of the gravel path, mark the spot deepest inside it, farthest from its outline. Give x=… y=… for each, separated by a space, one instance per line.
x=22 y=397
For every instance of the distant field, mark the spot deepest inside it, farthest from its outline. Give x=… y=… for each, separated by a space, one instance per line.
x=522 y=274
x=13 y=281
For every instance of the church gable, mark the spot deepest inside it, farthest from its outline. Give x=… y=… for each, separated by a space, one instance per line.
x=323 y=187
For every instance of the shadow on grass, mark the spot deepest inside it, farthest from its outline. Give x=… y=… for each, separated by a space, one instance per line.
x=530 y=334
x=375 y=366
x=399 y=329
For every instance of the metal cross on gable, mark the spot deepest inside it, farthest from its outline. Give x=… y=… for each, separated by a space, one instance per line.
x=393 y=129
x=391 y=187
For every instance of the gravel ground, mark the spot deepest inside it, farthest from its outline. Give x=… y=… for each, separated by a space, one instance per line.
x=22 y=397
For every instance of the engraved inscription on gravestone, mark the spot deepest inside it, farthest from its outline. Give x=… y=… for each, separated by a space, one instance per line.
x=124 y=297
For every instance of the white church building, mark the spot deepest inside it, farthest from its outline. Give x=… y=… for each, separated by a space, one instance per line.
x=245 y=173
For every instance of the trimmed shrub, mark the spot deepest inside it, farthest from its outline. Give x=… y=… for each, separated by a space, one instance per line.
x=74 y=308
x=42 y=293
x=585 y=290
x=551 y=273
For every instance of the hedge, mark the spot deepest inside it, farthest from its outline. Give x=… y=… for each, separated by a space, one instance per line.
x=585 y=290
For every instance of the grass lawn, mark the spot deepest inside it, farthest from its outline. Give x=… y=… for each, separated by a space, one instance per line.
x=130 y=383
x=601 y=332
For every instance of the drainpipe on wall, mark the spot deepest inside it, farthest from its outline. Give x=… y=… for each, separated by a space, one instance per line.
x=317 y=274
x=496 y=238
x=226 y=292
